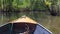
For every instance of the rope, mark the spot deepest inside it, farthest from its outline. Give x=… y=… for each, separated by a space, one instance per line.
x=11 y=29
x=27 y=28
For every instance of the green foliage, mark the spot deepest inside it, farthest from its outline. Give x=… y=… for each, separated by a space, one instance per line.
x=1 y=4
x=21 y=3
x=38 y=4
x=48 y=3
x=5 y=3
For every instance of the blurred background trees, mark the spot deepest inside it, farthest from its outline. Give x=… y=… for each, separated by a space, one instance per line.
x=52 y=6
x=9 y=7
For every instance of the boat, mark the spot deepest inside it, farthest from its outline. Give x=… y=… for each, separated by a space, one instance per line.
x=23 y=25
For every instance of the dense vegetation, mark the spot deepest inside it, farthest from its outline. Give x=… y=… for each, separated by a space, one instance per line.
x=16 y=6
